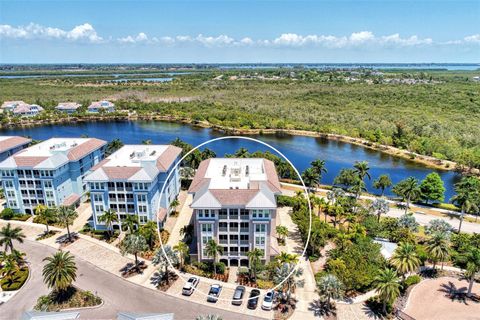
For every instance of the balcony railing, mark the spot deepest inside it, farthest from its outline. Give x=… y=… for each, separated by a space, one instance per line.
x=244 y=229
x=244 y=217
x=224 y=229
x=233 y=229
x=244 y=242
x=223 y=241
x=234 y=216
x=222 y=216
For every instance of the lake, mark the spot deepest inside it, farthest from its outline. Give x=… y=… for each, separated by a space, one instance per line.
x=299 y=149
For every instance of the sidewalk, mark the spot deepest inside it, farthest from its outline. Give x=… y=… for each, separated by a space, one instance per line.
x=184 y=218
x=305 y=295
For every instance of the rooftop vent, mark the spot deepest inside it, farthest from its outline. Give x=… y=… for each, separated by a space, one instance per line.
x=132 y=155
x=224 y=170
x=153 y=153
x=247 y=170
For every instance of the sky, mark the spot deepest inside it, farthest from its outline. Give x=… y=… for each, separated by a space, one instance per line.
x=239 y=31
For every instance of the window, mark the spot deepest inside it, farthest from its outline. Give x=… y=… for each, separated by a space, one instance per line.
x=8 y=184
x=142 y=209
x=10 y=194
x=47 y=184
x=142 y=219
x=50 y=203
x=260 y=228
x=141 y=198
x=49 y=194
x=258 y=213
x=207 y=227
x=97 y=197
x=99 y=208
x=12 y=203
x=260 y=241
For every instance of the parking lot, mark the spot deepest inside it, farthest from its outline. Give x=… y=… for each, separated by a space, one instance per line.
x=224 y=302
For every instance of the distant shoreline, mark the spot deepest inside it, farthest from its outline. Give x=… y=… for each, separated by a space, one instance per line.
x=427 y=161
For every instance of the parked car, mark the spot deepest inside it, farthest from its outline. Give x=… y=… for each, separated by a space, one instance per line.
x=238 y=295
x=253 y=299
x=190 y=286
x=214 y=292
x=267 y=303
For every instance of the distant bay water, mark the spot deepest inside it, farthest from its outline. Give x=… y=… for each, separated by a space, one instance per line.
x=301 y=150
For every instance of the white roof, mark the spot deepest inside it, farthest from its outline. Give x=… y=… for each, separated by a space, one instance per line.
x=135 y=155
x=236 y=173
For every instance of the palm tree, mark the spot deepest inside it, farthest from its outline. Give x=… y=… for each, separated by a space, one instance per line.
x=362 y=168
x=321 y=204
x=147 y=141
x=183 y=250
x=149 y=231
x=9 y=234
x=174 y=204
x=405 y=258
x=131 y=222
x=467 y=194
x=9 y=269
x=212 y=249
x=254 y=257
x=329 y=287
x=19 y=257
x=133 y=244
x=46 y=214
x=472 y=260
x=388 y=287
x=187 y=232
x=109 y=217
x=409 y=189
x=242 y=153
x=286 y=274
x=310 y=178
x=282 y=232
x=66 y=215
x=380 y=206
x=60 y=271
x=320 y=167
x=438 y=248
x=113 y=146
x=163 y=258
x=285 y=257
x=383 y=182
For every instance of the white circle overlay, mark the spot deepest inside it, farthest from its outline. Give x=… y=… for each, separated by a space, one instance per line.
x=183 y=276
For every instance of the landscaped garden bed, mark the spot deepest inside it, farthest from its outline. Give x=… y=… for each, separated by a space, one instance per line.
x=16 y=280
x=70 y=298
x=47 y=235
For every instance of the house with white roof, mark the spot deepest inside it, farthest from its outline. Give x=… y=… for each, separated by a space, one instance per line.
x=50 y=173
x=234 y=203
x=130 y=182
x=101 y=106
x=68 y=107
x=10 y=145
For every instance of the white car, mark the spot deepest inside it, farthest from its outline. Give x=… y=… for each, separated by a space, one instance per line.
x=214 y=293
x=267 y=303
x=190 y=286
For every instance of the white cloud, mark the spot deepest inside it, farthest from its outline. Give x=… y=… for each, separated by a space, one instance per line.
x=87 y=33
x=141 y=37
x=84 y=32
x=474 y=38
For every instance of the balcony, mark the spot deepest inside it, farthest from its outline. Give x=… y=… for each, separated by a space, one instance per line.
x=223 y=241
x=244 y=217
x=222 y=216
x=244 y=229
x=244 y=242
x=233 y=229
x=223 y=229
x=234 y=216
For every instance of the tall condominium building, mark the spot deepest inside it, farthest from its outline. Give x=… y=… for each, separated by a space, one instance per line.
x=50 y=172
x=234 y=203
x=9 y=145
x=130 y=181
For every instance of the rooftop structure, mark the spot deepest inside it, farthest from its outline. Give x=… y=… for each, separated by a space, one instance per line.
x=50 y=172
x=130 y=180
x=21 y=108
x=234 y=203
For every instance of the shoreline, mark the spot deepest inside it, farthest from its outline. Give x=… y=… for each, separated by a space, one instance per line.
x=427 y=161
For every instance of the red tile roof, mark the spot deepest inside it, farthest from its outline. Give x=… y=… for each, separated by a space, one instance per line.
x=28 y=161
x=167 y=157
x=233 y=196
x=199 y=178
x=120 y=173
x=85 y=148
x=70 y=200
x=162 y=214
x=13 y=142
x=272 y=176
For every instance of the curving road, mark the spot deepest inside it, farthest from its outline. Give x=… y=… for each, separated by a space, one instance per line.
x=117 y=294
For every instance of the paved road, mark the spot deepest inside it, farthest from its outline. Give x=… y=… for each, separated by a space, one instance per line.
x=118 y=295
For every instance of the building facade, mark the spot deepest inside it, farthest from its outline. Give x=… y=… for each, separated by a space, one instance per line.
x=101 y=106
x=68 y=107
x=9 y=145
x=130 y=181
x=234 y=203
x=50 y=173
x=22 y=109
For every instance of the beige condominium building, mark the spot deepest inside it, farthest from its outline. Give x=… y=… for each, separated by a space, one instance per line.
x=234 y=203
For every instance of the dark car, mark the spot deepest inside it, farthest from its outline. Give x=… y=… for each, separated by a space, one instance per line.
x=253 y=299
x=238 y=295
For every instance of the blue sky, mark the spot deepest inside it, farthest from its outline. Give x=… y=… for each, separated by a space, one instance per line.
x=239 y=31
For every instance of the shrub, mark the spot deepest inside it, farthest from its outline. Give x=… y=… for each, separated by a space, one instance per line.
x=265 y=284
x=7 y=214
x=285 y=201
x=21 y=217
x=413 y=279
x=446 y=206
x=220 y=266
